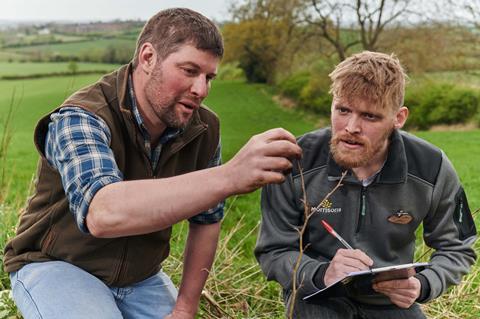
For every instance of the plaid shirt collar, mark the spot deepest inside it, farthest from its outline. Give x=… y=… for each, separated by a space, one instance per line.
x=169 y=134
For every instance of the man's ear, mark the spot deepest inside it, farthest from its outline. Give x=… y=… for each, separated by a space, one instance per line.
x=147 y=57
x=401 y=117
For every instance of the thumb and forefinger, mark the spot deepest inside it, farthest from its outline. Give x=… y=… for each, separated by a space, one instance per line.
x=281 y=143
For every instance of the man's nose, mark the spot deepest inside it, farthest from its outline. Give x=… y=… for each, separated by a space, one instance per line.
x=200 y=87
x=354 y=125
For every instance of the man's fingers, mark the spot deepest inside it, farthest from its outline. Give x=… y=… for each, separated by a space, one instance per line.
x=363 y=257
x=277 y=164
x=353 y=263
x=272 y=178
x=407 y=293
x=401 y=301
x=396 y=284
x=346 y=269
x=263 y=160
x=277 y=134
x=356 y=254
x=402 y=298
x=283 y=148
x=402 y=292
x=346 y=261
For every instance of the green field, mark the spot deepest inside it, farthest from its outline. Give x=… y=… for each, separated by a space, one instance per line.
x=12 y=56
x=75 y=48
x=29 y=68
x=244 y=110
x=32 y=39
x=31 y=98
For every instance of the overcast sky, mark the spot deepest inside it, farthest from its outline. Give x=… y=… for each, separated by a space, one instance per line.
x=80 y=10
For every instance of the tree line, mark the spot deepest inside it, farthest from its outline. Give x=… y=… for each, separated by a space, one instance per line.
x=270 y=38
x=294 y=44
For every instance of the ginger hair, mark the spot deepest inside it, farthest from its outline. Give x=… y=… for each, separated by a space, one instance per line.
x=376 y=77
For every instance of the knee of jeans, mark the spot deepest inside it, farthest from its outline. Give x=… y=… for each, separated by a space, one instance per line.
x=22 y=298
x=13 y=279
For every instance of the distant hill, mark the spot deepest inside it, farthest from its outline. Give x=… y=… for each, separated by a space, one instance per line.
x=94 y=41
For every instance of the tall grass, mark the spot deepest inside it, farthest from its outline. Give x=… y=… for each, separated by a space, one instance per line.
x=5 y=140
x=8 y=220
x=8 y=217
x=236 y=288
x=460 y=302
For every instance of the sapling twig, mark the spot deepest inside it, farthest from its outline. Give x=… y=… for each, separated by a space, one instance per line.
x=308 y=212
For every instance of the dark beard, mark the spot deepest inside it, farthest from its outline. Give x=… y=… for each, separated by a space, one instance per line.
x=166 y=114
x=170 y=118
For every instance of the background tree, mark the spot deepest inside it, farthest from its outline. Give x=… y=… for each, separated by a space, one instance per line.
x=263 y=35
x=72 y=67
x=345 y=24
x=466 y=12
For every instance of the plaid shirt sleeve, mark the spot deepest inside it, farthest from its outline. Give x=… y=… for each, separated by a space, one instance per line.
x=214 y=214
x=77 y=144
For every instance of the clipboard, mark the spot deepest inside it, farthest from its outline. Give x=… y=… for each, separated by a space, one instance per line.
x=360 y=282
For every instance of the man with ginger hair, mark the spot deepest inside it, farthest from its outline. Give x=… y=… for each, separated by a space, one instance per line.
x=394 y=183
x=123 y=160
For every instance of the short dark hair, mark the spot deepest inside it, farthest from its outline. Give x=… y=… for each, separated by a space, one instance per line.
x=171 y=28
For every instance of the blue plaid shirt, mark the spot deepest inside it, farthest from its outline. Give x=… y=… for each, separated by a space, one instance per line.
x=78 y=146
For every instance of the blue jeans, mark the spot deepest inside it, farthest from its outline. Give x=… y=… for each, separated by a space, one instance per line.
x=56 y=289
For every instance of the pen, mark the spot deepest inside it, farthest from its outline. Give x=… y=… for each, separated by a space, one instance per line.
x=335 y=234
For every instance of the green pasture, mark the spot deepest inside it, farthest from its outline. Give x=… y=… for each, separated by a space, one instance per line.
x=31 y=99
x=75 y=48
x=12 y=56
x=44 y=38
x=29 y=68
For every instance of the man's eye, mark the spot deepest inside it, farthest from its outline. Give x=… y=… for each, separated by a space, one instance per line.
x=370 y=117
x=342 y=110
x=190 y=71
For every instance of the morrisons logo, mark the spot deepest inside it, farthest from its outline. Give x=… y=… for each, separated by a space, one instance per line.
x=326 y=207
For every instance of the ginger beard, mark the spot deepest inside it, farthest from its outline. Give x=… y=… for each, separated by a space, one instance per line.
x=356 y=157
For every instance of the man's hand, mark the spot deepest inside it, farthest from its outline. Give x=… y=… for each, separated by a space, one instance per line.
x=402 y=292
x=263 y=160
x=345 y=261
x=179 y=314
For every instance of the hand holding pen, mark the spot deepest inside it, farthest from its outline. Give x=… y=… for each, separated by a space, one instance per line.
x=345 y=261
x=335 y=234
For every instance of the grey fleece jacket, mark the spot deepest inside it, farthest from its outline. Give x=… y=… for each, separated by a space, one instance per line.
x=417 y=179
